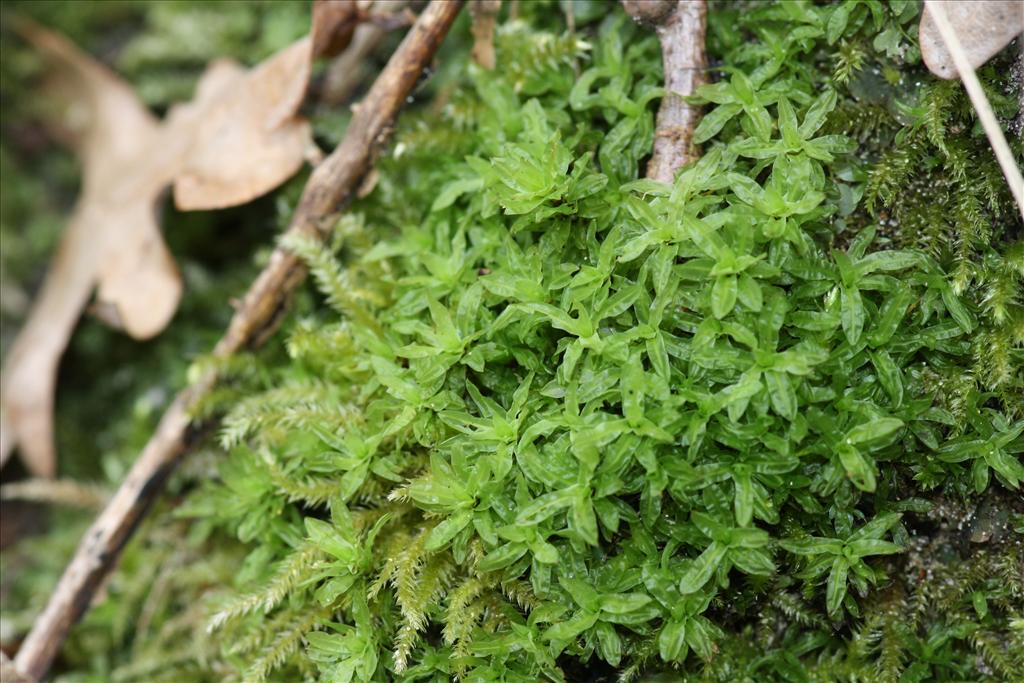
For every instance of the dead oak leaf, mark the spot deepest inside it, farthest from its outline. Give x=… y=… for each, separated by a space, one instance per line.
x=242 y=143
x=232 y=143
x=239 y=138
x=106 y=125
x=250 y=139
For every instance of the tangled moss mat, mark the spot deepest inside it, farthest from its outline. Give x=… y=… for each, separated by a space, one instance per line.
x=542 y=419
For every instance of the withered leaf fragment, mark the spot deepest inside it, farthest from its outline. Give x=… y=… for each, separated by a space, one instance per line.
x=249 y=138
x=240 y=137
x=112 y=241
x=984 y=27
x=242 y=143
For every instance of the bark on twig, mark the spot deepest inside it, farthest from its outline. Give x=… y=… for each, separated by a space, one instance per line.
x=681 y=26
x=332 y=183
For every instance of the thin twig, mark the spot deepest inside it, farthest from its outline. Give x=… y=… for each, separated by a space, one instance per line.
x=332 y=183
x=980 y=102
x=681 y=26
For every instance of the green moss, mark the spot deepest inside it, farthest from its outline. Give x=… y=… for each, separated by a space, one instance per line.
x=548 y=420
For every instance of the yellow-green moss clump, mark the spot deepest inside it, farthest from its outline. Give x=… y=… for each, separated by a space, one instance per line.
x=548 y=420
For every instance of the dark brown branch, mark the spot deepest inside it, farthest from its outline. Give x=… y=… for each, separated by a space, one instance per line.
x=681 y=26
x=332 y=183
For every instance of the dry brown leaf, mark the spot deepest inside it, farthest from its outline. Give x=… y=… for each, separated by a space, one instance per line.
x=248 y=139
x=105 y=123
x=984 y=27
x=237 y=139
